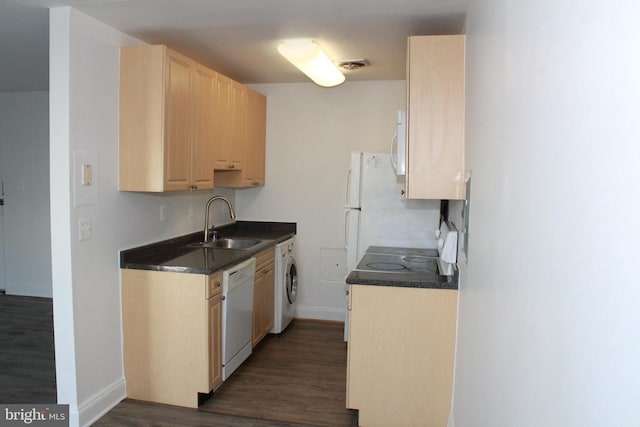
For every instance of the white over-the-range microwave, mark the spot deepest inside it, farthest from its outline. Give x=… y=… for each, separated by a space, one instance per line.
x=398 y=144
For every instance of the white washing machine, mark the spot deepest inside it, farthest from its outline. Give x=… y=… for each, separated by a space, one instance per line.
x=286 y=286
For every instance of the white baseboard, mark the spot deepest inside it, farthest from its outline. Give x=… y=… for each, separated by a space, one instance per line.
x=102 y=402
x=320 y=313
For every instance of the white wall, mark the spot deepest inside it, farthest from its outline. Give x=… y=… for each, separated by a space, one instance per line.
x=24 y=139
x=548 y=329
x=84 y=70
x=311 y=132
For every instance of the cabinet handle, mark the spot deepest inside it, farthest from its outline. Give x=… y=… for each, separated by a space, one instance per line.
x=232 y=166
x=193 y=187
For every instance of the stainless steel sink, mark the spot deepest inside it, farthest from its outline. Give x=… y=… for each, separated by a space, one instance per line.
x=229 y=243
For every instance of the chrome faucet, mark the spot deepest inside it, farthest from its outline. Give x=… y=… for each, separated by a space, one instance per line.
x=206 y=215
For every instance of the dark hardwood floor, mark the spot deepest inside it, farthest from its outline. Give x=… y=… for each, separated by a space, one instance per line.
x=297 y=378
x=27 y=366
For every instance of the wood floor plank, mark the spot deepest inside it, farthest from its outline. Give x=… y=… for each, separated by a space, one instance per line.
x=27 y=363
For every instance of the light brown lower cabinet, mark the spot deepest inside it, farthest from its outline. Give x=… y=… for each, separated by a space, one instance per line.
x=263 y=296
x=400 y=355
x=172 y=328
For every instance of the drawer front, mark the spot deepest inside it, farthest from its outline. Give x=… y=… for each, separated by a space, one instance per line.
x=265 y=258
x=214 y=284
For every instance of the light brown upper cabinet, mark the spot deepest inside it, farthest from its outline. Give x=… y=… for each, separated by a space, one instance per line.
x=255 y=150
x=250 y=137
x=180 y=121
x=162 y=121
x=204 y=127
x=435 y=117
x=228 y=151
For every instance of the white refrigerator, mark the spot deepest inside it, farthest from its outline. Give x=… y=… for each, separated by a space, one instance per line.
x=377 y=214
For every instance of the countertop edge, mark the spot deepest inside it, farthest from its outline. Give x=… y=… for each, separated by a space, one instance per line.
x=399 y=283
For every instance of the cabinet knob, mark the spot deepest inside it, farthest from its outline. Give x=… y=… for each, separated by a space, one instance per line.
x=217 y=284
x=256 y=183
x=232 y=166
x=193 y=187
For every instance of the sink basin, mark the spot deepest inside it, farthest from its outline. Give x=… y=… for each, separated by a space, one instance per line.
x=229 y=243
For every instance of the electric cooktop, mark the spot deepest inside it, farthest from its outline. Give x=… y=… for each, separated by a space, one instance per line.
x=412 y=263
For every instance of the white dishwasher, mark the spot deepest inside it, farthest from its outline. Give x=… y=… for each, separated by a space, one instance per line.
x=237 y=312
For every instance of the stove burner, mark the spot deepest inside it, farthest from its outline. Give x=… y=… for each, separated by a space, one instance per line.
x=391 y=263
x=415 y=258
x=385 y=266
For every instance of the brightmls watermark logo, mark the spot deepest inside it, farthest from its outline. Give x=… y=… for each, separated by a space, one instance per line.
x=34 y=415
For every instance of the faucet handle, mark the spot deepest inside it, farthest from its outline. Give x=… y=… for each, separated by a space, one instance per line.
x=215 y=235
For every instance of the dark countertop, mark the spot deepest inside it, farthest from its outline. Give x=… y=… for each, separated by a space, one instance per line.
x=175 y=254
x=402 y=279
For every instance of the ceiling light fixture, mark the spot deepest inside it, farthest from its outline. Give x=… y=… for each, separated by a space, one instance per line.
x=311 y=60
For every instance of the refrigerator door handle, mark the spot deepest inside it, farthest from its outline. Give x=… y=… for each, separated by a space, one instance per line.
x=346 y=228
x=394 y=160
x=347 y=191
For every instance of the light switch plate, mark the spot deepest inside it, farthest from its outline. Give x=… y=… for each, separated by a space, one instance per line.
x=85 y=178
x=85 y=229
x=87 y=175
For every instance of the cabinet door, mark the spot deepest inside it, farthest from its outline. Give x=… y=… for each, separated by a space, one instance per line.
x=225 y=124
x=214 y=312
x=435 y=124
x=263 y=295
x=203 y=147
x=263 y=301
x=239 y=123
x=215 y=341
x=177 y=126
x=400 y=355
x=258 y=309
x=254 y=163
x=269 y=299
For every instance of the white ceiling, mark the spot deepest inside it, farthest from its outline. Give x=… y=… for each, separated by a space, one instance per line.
x=236 y=37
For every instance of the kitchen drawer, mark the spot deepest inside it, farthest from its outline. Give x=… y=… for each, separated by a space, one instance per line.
x=214 y=286
x=265 y=258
